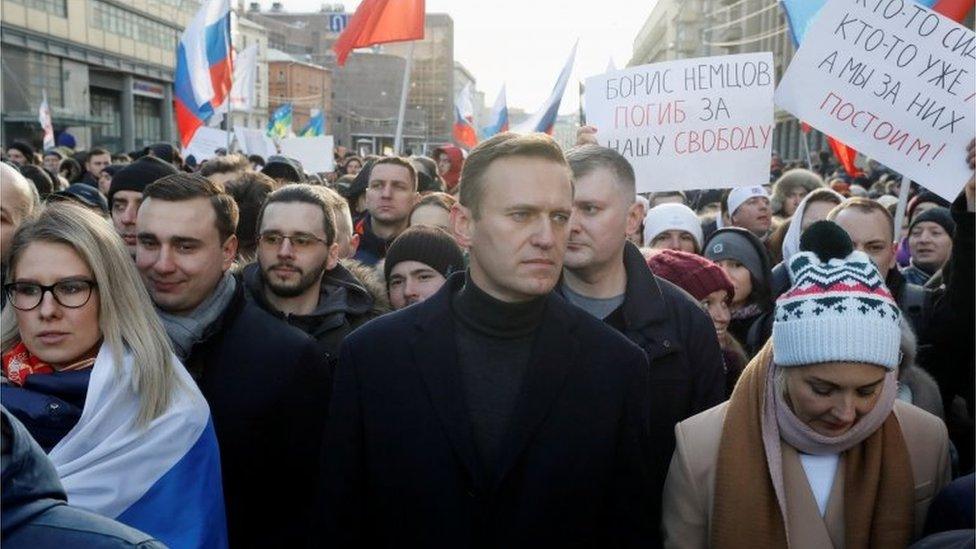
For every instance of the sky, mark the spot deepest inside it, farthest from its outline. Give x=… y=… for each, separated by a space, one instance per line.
x=525 y=43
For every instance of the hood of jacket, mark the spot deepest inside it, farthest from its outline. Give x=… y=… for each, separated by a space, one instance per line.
x=30 y=484
x=340 y=295
x=457 y=160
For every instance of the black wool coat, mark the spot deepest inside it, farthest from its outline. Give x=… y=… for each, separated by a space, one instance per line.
x=267 y=385
x=400 y=466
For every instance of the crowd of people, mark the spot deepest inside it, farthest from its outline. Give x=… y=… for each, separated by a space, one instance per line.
x=507 y=347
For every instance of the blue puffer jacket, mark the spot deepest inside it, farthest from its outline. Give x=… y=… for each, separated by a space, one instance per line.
x=33 y=509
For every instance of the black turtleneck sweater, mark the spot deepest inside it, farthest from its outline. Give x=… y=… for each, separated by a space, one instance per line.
x=494 y=342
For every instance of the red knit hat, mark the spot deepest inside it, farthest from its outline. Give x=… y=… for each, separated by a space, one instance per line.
x=692 y=273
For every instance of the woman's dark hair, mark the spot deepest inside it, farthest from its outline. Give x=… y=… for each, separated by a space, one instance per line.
x=41 y=179
x=71 y=169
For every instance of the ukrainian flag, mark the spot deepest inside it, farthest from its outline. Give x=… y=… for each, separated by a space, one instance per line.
x=315 y=126
x=280 y=123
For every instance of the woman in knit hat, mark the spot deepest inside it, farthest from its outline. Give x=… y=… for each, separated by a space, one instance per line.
x=812 y=450
x=672 y=226
x=743 y=257
x=713 y=289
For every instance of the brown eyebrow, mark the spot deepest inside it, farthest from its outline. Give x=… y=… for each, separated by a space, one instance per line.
x=835 y=386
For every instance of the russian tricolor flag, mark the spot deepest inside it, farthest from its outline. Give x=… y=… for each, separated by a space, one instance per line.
x=162 y=478
x=204 y=67
x=498 y=119
x=464 y=132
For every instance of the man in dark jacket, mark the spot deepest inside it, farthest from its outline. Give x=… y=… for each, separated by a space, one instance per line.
x=34 y=511
x=607 y=276
x=493 y=414
x=391 y=192
x=266 y=382
x=297 y=277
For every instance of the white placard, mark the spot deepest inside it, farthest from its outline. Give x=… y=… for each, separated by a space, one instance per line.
x=315 y=153
x=205 y=143
x=892 y=79
x=689 y=124
x=252 y=141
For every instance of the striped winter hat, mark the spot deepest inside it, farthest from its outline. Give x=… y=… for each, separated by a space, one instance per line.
x=838 y=309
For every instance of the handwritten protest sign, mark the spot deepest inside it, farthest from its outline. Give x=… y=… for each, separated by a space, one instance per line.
x=892 y=79
x=688 y=124
x=315 y=153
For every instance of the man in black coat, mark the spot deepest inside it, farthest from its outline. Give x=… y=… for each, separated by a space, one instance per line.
x=266 y=382
x=608 y=277
x=493 y=414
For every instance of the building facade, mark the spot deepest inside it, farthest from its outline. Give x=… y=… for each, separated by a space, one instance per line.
x=305 y=85
x=106 y=67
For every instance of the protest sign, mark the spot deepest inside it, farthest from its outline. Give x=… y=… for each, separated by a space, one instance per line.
x=205 y=143
x=892 y=79
x=688 y=124
x=315 y=153
x=252 y=141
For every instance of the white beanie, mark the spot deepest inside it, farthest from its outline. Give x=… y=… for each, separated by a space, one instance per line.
x=739 y=195
x=672 y=216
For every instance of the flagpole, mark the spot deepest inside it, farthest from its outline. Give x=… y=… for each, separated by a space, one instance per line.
x=906 y=185
x=398 y=140
x=806 y=149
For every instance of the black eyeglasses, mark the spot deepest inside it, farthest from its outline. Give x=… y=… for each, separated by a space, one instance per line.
x=73 y=293
x=301 y=241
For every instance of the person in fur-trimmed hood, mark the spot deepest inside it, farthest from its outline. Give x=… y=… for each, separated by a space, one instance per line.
x=298 y=277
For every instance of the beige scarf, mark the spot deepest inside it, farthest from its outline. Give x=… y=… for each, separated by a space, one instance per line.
x=747 y=513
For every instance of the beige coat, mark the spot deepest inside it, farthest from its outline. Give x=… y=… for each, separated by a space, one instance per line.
x=690 y=488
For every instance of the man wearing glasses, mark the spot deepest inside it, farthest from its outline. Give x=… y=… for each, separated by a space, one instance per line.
x=267 y=383
x=297 y=277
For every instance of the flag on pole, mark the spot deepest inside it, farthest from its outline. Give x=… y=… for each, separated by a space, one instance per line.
x=545 y=118
x=203 y=67
x=245 y=78
x=379 y=22
x=44 y=117
x=315 y=126
x=280 y=123
x=498 y=119
x=464 y=131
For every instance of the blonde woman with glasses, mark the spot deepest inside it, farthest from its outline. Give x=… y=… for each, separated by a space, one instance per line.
x=88 y=369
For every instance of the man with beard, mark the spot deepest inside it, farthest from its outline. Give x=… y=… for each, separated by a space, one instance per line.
x=297 y=277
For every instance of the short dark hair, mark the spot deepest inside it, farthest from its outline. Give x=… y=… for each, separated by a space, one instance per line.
x=249 y=192
x=97 y=151
x=187 y=186
x=255 y=159
x=40 y=178
x=502 y=145
x=307 y=194
x=397 y=161
x=224 y=164
x=864 y=205
x=585 y=159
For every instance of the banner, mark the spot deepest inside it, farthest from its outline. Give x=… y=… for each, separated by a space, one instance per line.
x=892 y=79
x=315 y=153
x=205 y=143
x=254 y=141
x=689 y=124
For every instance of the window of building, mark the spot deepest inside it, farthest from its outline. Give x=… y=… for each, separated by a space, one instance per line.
x=128 y=24
x=107 y=131
x=54 y=7
x=26 y=75
x=148 y=121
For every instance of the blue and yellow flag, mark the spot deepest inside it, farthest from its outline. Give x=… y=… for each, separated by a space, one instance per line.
x=315 y=126
x=280 y=123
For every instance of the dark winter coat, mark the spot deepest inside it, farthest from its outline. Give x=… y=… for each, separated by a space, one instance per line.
x=400 y=460
x=34 y=512
x=346 y=301
x=687 y=371
x=267 y=385
x=372 y=248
